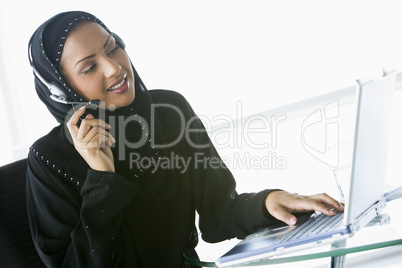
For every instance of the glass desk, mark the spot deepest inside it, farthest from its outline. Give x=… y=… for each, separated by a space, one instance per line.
x=384 y=231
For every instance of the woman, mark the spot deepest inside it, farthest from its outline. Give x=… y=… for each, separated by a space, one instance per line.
x=119 y=185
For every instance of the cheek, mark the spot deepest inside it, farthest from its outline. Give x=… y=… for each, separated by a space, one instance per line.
x=89 y=87
x=125 y=61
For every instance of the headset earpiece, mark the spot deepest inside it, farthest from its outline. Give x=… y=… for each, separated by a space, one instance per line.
x=119 y=41
x=57 y=93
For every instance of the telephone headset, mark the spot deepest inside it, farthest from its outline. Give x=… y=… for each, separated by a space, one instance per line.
x=56 y=92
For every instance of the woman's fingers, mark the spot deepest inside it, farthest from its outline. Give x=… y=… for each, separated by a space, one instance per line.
x=88 y=123
x=282 y=204
x=282 y=213
x=327 y=200
x=98 y=137
x=307 y=204
x=92 y=132
x=75 y=118
x=92 y=140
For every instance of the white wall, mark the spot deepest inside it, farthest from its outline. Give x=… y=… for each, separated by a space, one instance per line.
x=262 y=53
x=265 y=54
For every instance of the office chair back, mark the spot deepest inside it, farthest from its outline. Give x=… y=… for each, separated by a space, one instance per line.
x=16 y=246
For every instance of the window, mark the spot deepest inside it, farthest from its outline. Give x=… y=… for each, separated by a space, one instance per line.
x=266 y=54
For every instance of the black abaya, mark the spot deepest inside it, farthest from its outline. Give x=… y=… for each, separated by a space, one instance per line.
x=85 y=218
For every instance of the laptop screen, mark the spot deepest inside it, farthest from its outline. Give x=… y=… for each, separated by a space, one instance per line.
x=374 y=104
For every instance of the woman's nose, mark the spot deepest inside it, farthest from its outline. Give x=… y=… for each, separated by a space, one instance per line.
x=111 y=67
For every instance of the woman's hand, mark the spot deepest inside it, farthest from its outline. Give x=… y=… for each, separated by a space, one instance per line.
x=281 y=205
x=92 y=140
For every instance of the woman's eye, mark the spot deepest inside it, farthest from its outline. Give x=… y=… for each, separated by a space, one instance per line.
x=113 y=51
x=90 y=69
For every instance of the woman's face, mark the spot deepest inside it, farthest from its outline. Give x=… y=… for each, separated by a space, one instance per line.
x=95 y=66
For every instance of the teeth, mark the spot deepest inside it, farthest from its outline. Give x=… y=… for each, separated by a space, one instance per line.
x=118 y=85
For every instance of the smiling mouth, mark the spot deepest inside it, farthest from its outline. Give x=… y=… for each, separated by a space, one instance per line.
x=118 y=85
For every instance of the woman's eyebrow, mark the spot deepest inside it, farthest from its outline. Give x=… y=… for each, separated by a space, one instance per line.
x=93 y=55
x=90 y=56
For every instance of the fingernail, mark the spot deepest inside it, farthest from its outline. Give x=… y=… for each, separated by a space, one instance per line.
x=113 y=140
x=82 y=107
x=332 y=212
x=292 y=221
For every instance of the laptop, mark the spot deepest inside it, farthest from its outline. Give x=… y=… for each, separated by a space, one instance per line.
x=365 y=198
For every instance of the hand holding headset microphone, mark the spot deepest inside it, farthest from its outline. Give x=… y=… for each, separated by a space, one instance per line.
x=56 y=92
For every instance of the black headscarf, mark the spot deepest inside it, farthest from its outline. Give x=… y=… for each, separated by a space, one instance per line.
x=46 y=47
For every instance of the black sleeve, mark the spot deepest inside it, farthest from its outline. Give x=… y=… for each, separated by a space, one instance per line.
x=72 y=228
x=223 y=212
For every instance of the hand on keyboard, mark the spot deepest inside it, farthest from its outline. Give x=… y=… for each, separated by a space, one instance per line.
x=281 y=205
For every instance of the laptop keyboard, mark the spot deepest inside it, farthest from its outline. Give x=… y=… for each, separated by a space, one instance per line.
x=315 y=225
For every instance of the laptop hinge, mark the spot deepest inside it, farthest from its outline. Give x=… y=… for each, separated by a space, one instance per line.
x=368 y=215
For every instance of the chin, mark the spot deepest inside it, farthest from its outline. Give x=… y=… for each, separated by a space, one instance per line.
x=119 y=102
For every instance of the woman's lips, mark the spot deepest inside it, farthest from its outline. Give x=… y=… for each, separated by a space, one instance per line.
x=119 y=86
